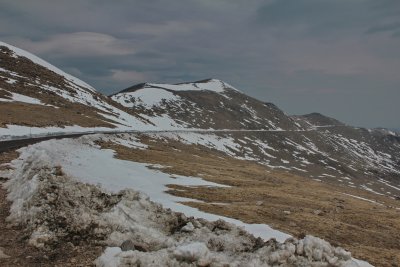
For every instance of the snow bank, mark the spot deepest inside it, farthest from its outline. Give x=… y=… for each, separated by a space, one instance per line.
x=56 y=208
x=13 y=132
x=87 y=163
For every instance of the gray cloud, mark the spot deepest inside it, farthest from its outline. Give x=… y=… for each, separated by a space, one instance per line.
x=85 y=44
x=335 y=57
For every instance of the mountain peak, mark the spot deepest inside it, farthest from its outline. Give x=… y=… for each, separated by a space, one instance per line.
x=214 y=85
x=319 y=119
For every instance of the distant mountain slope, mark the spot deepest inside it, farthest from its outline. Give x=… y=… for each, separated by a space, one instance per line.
x=317 y=120
x=311 y=145
x=35 y=93
x=206 y=104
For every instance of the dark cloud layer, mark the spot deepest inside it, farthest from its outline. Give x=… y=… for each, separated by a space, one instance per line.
x=338 y=57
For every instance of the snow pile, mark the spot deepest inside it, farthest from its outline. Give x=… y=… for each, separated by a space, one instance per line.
x=86 y=162
x=57 y=209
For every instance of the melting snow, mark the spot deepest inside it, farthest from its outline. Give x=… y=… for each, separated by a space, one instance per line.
x=23 y=98
x=81 y=159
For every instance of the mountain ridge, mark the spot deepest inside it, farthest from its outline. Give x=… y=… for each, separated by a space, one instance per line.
x=308 y=173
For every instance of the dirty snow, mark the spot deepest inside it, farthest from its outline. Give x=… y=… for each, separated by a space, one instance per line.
x=166 y=238
x=86 y=162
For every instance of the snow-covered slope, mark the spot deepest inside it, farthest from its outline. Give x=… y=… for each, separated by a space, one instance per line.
x=206 y=104
x=53 y=98
x=312 y=145
x=73 y=81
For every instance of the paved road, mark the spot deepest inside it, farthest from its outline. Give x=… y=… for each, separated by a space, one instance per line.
x=15 y=144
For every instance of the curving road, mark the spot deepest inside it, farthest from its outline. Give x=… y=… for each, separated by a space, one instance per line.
x=18 y=143
x=15 y=144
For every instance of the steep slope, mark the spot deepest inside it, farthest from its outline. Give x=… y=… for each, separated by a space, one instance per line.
x=34 y=93
x=206 y=104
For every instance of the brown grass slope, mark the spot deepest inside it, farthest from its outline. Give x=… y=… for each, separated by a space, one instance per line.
x=287 y=202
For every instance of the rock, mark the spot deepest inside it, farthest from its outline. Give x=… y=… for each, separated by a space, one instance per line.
x=196 y=251
x=203 y=262
x=197 y=224
x=3 y=255
x=318 y=212
x=130 y=245
x=340 y=206
x=287 y=212
x=141 y=247
x=127 y=245
x=259 y=203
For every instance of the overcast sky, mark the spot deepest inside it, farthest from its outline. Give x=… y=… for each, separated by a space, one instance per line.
x=337 y=57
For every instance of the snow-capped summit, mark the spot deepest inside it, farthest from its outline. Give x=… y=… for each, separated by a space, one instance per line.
x=205 y=104
x=213 y=85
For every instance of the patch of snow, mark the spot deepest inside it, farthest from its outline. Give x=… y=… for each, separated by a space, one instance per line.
x=387 y=183
x=365 y=199
x=147 y=97
x=24 y=99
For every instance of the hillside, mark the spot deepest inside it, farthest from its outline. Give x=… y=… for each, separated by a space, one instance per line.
x=312 y=145
x=37 y=97
x=207 y=104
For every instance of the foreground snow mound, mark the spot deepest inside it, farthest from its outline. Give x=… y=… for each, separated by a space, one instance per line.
x=56 y=209
x=310 y=251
